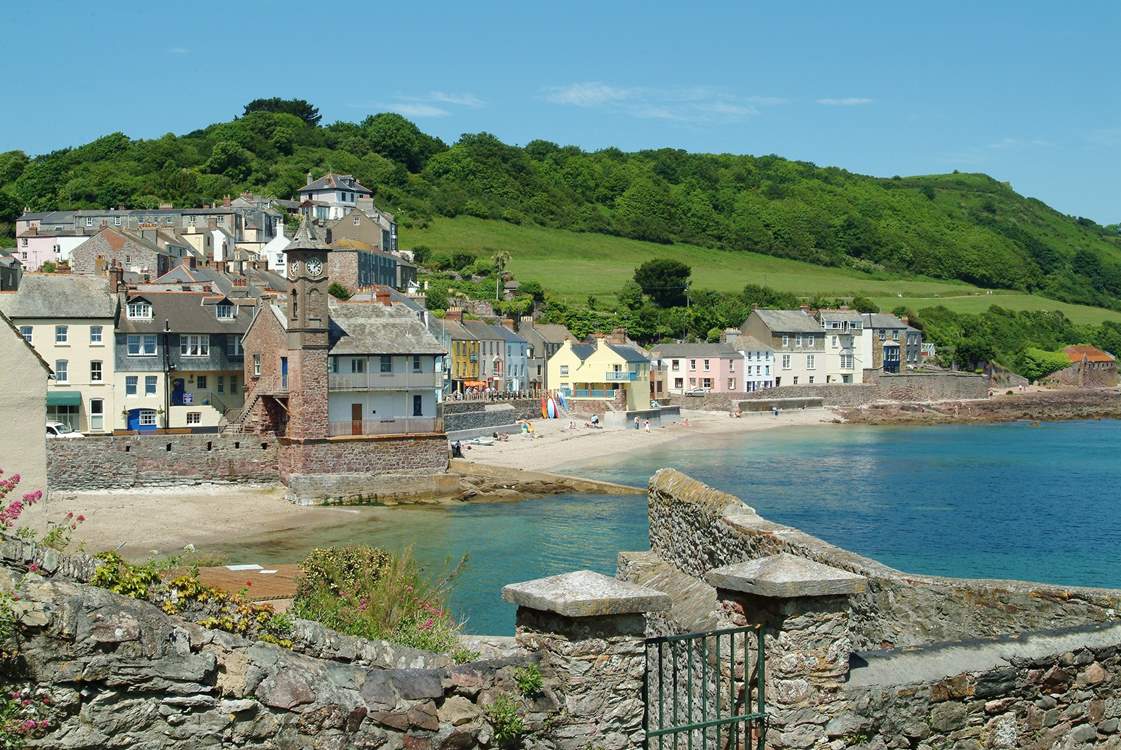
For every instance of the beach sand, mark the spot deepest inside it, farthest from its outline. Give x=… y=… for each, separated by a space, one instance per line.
x=555 y=443
x=160 y=521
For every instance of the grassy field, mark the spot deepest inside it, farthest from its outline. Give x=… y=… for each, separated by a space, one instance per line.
x=577 y=265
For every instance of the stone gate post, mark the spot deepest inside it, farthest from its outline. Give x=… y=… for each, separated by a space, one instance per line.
x=589 y=631
x=804 y=608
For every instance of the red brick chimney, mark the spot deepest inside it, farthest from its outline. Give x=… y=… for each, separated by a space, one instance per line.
x=454 y=313
x=226 y=202
x=383 y=297
x=618 y=336
x=905 y=320
x=116 y=277
x=220 y=266
x=508 y=323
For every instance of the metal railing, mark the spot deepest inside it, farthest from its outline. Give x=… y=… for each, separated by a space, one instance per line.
x=393 y=426
x=706 y=690
x=368 y=381
x=592 y=393
x=623 y=376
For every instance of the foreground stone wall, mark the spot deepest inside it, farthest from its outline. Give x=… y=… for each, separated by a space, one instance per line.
x=124 y=461
x=696 y=529
x=473 y=415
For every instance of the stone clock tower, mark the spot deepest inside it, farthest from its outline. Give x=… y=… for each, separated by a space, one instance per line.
x=308 y=323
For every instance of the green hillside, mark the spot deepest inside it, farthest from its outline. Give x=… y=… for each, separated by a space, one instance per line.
x=959 y=227
x=576 y=265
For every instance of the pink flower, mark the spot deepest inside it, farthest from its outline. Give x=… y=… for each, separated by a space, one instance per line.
x=70 y=514
x=28 y=725
x=25 y=702
x=43 y=723
x=427 y=625
x=33 y=568
x=81 y=518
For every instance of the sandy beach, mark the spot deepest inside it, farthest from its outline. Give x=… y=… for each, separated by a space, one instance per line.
x=556 y=443
x=160 y=521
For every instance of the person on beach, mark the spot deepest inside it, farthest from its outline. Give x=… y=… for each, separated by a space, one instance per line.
x=647 y=425
x=636 y=421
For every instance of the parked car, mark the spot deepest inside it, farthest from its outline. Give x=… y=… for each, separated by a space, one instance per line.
x=60 y=430
x=698 y=391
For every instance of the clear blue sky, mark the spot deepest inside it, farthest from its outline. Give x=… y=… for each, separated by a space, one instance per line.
x=1029 y=92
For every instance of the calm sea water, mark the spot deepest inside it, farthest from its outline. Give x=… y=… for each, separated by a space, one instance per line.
x=998 y=501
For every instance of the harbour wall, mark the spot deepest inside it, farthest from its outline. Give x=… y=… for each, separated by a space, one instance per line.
x=899 y=660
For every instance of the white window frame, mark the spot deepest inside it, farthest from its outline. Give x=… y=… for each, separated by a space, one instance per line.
x=132 y=385
x=194 y=417
x=97 y=371
x=229 y=307
x=256 y=365
x=151 y=384
x=27 y=332
x=142 y=341
x=786 y=361
x=147 y=418
x=811 y=362
x=97 y=335
x=139 y=310
x=62 y=335
x=62 y=371
x=194 y=345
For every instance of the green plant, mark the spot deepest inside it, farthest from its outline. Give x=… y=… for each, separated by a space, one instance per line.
x=529 y=679
x=506 y=719
x=464 y=655
x=122 y=577
x=338 y=291
x=60 y=533
x=366 y=592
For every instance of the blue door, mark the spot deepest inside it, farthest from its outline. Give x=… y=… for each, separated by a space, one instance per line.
x=177 y=388
x=134 y=419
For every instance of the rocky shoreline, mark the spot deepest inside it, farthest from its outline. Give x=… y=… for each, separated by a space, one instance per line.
x=1044 y=406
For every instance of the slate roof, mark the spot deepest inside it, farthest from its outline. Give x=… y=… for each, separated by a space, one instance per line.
x=186 y=312
x=60 y=296
x=507 y=335
x=789 y=321
x=751 y=344
x=553 y=333
x=371 y=328
x=841 y=315
x=695 y=350
x=628 y=353
x=483 y=331
x=308 y=237
x=332 y=181
x=455 y=329
x=882 y=320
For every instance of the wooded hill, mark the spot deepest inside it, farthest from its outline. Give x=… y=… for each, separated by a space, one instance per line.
x=956 y=226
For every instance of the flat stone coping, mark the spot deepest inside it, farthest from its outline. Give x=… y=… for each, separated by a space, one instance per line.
x=585 y=593
x=938 y=661
x=786 y=576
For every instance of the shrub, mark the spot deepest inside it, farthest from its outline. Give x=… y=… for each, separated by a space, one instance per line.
x=338 y=291
x=506 y=719
x=368 y=593
x=24 y=715
x=529 y=679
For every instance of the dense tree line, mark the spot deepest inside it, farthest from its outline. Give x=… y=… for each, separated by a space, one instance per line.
x=964 y=226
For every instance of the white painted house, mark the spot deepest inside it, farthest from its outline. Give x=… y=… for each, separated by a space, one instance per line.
x=274 y=253
x=332 y=196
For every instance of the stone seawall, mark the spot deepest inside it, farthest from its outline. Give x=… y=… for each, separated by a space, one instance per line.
x=474 y=415
x=124 y=461
x=696 y=529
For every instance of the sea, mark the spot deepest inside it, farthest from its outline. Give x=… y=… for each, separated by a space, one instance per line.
x=1031 y=501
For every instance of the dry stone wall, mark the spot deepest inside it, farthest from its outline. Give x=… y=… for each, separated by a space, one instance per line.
x=910 y=386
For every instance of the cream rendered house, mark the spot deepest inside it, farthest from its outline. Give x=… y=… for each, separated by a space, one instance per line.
x=23 y=402
x=798 y=342
x=69 y=321
x=601 y=372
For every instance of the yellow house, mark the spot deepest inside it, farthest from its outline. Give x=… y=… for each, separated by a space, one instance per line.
x=464 y=352
x=601 y=371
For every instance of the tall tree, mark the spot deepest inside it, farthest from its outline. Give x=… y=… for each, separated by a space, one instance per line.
x=298 y=107
x=664 y=281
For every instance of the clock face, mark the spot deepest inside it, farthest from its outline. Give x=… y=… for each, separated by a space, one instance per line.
x=293 y=269
x=314 y=267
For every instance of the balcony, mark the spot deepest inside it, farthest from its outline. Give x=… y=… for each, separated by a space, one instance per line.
x=624 y=376
x=592 y=393
x=391 y=426
x=372 y=381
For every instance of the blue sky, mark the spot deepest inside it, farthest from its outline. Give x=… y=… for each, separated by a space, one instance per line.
x=1028 y=92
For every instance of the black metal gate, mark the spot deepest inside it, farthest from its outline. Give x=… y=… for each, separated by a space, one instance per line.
x=705 y=691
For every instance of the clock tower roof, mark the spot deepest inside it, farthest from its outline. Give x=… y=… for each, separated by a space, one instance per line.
x=309 y=237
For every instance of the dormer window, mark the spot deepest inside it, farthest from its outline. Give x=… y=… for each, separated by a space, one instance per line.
x=226 y=311
x=139 y=310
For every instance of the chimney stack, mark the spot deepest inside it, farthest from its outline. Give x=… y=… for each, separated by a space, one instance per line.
x=309 y=180
x=226 y=202
x=116 y=277
x=618 y=336
x=454 y=313
x=383 y=297
x=906 y=320
x=508 y=323
x=220 y=266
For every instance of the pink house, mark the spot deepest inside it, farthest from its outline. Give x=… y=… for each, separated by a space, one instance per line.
x=715 y=368
x=34 y=249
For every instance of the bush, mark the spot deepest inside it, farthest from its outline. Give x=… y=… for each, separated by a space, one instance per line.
x=529 y=679
x=338 y=291
x=1037 y=363
x=366 y=592
x=506 y=719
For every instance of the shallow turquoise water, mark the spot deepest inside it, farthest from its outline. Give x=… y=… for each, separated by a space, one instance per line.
x=998 y=501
